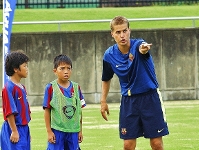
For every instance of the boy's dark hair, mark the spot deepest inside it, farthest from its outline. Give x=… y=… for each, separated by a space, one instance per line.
x=61 y=59
x=14 y=60
x=118 y=20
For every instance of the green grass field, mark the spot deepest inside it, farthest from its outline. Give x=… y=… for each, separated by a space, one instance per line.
x=103 y=13
x=182 y=118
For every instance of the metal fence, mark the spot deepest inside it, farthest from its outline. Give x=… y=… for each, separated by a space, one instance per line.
x=21 y=4
x=193 y=19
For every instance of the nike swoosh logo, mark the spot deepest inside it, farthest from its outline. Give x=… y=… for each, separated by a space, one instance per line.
x=118 y=65
x=19 y=97
x=160 y=130
x=69 y=111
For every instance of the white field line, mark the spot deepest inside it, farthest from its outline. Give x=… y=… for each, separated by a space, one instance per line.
x=183 y=103
x=109 y=126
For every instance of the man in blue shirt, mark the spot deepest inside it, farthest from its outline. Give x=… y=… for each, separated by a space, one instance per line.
x=141 y=112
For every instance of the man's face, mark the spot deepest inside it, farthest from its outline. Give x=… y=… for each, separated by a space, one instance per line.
x=121 y=34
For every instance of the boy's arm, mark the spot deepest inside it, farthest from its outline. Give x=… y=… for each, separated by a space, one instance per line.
x=14 y=137
x=51 y=136
x=80 y=138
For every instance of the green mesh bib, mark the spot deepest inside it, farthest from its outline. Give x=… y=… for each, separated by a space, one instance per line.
x=65 y=112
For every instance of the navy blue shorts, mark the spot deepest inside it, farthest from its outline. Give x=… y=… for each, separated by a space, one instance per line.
x=24 y=137
x=142 y=115
x=64 y=141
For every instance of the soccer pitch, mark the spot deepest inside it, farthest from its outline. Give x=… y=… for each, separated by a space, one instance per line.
x=23 y=15
x=182 y=118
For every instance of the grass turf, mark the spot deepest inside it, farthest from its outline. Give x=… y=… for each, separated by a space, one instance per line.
x=23 y=15
x=182 y=118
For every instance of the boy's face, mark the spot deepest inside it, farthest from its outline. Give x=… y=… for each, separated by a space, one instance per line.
x=22 y=71
x=63 y=71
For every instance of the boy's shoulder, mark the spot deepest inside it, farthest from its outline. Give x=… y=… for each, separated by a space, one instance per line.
x=54 y=82
x=9 y=85
x=74 y=83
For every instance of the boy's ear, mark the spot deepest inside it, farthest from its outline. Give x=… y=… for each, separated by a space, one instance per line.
x=15 y=70
x=54 y=70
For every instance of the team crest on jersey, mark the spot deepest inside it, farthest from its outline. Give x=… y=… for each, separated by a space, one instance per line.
x=123 y=131
x=131 y=57
x=69 y=111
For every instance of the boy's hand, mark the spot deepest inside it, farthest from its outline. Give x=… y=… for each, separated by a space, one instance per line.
x=14 y=137
x=80 y=137
x=51 y=137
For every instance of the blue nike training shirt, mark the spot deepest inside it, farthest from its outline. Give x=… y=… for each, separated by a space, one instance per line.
x=135 y=71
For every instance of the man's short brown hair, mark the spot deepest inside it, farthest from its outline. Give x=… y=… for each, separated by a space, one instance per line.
x=118 y=20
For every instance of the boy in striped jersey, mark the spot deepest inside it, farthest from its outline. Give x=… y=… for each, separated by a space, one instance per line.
x=15 y=134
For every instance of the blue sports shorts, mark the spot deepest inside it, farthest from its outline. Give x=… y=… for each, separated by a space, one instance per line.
x=24 y=137
x=64 y=141
x=142 y=115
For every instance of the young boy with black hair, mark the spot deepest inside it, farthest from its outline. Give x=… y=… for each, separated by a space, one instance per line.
x=62 y=105
x=15 y=134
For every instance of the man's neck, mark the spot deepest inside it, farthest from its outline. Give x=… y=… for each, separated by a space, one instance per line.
x=124 y=49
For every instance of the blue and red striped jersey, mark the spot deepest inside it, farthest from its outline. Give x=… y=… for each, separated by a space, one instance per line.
x=14 y=101
x=68 y=92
